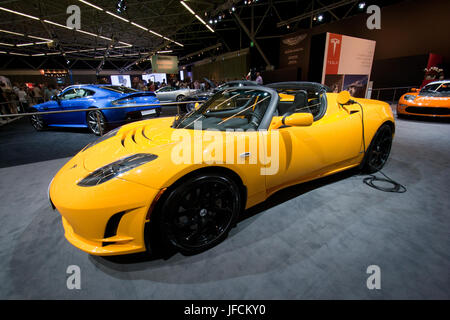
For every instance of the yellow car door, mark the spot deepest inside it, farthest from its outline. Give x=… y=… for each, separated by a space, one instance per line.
x=330 y=144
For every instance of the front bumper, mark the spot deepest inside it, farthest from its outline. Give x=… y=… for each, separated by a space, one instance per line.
x=108 y=219
x=423 y=111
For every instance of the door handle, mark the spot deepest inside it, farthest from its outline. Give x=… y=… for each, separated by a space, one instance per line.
x=353 y=111
x=245 y=155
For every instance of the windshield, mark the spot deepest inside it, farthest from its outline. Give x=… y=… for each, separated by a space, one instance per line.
x=436 y=89
x=119 y=89
x=235 y=108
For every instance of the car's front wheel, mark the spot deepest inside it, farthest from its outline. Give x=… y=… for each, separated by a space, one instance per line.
x=96 y=122
x=199 y=213
x=37 y=122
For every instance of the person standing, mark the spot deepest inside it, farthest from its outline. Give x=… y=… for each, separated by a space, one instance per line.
x=23 y=99
x=259 y=79
x=37 y=93
x=3 y=100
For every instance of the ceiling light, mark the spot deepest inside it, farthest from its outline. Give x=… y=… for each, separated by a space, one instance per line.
x=187 y=7
x=57 y=24
x=128 y=21
x=121 y=6
x=19 y=13
x=11 y=32
x=116 y=16
x=39 y=38
x=361 y=5
x=139 y=26
x=92 y=5
x=193 y=12
x=88 y=33
x=19 y=54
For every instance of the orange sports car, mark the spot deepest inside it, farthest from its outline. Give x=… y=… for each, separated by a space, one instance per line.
x=433 y=100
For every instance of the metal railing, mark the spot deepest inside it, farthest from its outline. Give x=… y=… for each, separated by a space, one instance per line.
x=390 y=94
x=141 y=106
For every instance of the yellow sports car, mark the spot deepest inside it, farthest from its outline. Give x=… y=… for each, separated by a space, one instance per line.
x=183 y=182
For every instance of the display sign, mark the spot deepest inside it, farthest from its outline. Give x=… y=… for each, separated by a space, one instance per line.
x=164 y=64
x=348 y=63
x=121 y=80
x=155 y=77
x=292 y=50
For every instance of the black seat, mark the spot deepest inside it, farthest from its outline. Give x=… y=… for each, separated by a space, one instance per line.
x=299 y=105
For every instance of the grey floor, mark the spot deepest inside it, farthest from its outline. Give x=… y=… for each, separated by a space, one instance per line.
x=313 y=241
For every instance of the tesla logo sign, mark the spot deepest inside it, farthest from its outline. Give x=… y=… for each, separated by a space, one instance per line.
x=335 y=42
x=333 y=53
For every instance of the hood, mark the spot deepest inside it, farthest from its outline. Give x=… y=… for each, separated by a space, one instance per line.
x=153 y=136
x=147 y=136
x=43 y=105
x=431 y=101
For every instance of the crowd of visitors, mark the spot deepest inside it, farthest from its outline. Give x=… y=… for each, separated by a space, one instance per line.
x=20 y=97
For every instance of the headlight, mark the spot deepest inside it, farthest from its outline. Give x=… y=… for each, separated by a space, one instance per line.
x=116 y=168
x=409 y=97
x=108 y=135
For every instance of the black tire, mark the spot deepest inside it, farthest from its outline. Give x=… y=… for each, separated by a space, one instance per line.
x=158 y=112
x=92 y=118
x=379 y=150
x=198 y=213
x=179 y=98
x=37 y=121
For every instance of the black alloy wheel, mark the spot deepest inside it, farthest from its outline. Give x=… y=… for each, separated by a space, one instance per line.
x=199 y=213
x=379 y=149
x=96 y=122
x=37 y=122
x=190 y=107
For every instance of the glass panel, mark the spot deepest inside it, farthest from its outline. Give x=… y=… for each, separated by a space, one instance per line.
x=235 y=108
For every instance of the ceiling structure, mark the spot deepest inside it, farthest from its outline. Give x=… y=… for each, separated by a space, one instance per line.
x=123 y=34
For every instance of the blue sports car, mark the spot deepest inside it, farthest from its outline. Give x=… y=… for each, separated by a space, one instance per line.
x=91 y=97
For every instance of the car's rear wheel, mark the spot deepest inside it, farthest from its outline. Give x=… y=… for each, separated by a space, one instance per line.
x=179 y=98
x=379 y=150
x=96 y=122
x=199 y=213
x=37 y=122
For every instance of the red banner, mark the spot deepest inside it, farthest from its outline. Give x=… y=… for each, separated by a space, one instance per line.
x=334 y=53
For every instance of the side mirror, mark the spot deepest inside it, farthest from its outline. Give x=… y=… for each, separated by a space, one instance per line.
x=414 y=90
x=343 y=97
x=55 y=98
x=197 y=105
x=298 y=120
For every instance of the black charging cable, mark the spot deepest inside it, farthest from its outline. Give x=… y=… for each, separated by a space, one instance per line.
x=372 y=179
x=396 y=187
